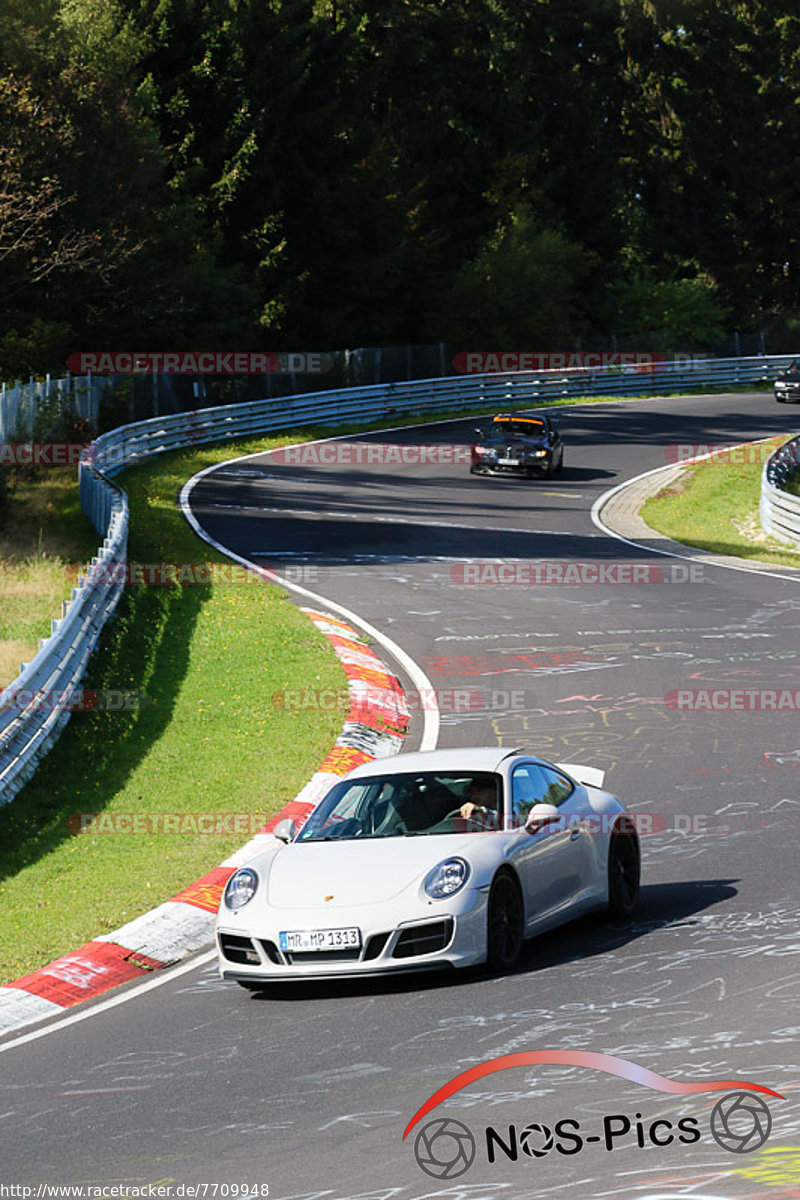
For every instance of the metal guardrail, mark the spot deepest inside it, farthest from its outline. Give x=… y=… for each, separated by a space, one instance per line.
x=779 y=511
x=134 y=443
x=35 y=707
x=29 y=728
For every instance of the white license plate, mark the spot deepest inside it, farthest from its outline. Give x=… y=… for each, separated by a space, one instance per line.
x=296 y=940
x=508 y=462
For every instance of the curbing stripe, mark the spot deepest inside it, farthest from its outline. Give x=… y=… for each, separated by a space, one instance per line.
x=92 y=969
x=343 y=759
x=205 y=892
x=168 y=932
x=374 y=728
x=21 y=1008
x=375 y=743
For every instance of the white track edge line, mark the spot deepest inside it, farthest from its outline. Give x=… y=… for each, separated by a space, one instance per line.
x=430 y=717
x=162 y=976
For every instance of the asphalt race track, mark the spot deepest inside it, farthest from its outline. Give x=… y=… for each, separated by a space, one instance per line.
x=308 y=1090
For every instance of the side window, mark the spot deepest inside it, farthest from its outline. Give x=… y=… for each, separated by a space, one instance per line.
x=533 y=784
x=558 y=786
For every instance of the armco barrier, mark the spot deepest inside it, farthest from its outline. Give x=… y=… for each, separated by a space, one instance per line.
x=27 y=727
x=779 y=511
x=27 y=733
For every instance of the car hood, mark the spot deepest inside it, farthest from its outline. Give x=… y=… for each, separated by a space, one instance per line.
x=526 y=443
x=338 y=874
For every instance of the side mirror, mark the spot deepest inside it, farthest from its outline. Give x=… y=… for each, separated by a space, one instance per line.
x=539 y=816
x=285 y=830
x=480 y=433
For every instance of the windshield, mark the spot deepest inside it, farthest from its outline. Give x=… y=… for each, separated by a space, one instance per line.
x=406 y=805
x=519 y=428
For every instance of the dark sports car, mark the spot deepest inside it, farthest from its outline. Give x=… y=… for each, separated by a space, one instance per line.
x=528 y=446
x=787 y=385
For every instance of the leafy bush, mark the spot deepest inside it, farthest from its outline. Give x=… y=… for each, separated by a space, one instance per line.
x=683 y=312
x=521 y=291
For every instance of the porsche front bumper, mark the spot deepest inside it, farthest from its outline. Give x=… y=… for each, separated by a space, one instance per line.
x=454 y=936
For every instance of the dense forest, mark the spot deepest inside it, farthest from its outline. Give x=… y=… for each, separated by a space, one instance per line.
x=314 y=174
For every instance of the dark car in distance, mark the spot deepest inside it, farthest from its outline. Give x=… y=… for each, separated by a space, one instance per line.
x=787 y=385
x=524 y=446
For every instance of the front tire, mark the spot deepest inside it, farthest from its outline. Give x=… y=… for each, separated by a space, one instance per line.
x=624 y=873
x=505 y=924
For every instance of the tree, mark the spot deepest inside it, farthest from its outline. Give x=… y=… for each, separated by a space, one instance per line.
x=91 y=235
x=683 y=314
x=521 y=291
x=711 y=115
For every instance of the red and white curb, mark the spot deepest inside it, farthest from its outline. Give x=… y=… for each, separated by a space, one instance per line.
x=374 y=728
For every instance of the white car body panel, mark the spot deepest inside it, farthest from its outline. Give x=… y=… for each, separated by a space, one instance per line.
x=592 y=776
x=376 y=884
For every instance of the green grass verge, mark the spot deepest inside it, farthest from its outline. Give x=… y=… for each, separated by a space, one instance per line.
x=714 y=506
x=44 y=537
x=208 y=738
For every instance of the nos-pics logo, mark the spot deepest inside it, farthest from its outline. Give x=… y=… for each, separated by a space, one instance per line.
x=446 y=1148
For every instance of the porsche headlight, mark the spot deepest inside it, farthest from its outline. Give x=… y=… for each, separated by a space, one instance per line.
x=241 y=888
x=446 y=878
x=538 y=453
x=484 y=452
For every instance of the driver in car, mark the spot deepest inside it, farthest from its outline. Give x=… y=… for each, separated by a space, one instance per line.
x=426 y=805
x=482 y=803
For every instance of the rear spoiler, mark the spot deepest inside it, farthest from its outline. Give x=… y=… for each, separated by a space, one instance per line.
x=592 y=776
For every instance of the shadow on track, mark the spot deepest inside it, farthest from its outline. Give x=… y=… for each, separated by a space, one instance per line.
x=660 y=906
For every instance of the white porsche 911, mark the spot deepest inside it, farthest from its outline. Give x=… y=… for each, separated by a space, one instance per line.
x=450 y=857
